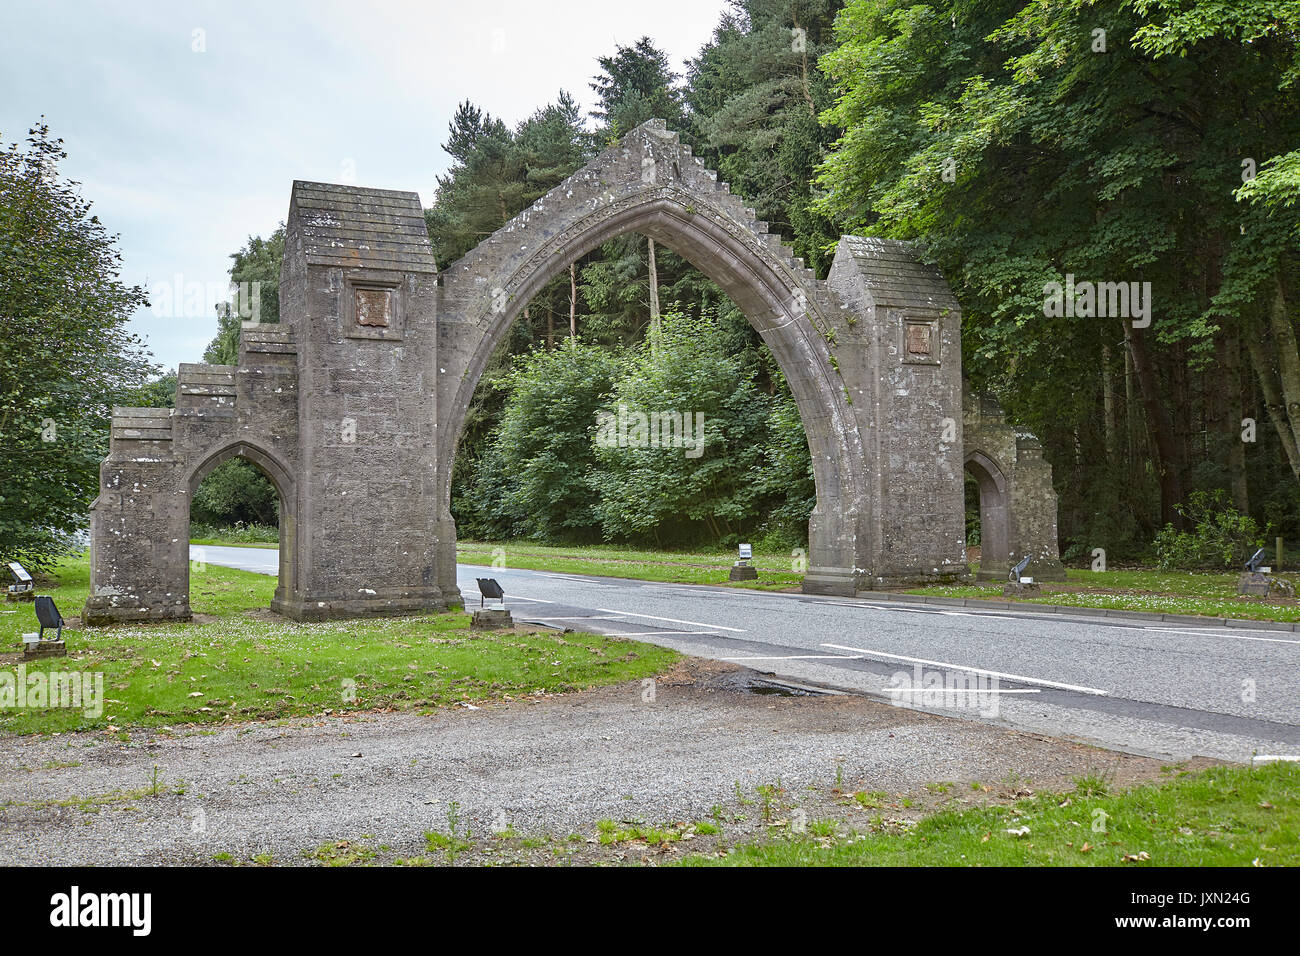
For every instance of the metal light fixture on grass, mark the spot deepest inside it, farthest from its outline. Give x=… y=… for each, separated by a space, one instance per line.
x=23 y=583
x=489 y=588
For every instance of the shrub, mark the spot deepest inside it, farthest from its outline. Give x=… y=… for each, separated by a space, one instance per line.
x=1221 y=536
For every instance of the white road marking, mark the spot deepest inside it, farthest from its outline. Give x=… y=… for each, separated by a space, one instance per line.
x=943 y=690
x=652 y=633
x=585 y=617
x=920 y=609
x=797 y=657
x=1208 y=632
x=653 y=617
x=569 y=577
x=975 y=670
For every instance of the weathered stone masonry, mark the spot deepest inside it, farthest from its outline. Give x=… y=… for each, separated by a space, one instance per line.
x=354 y=403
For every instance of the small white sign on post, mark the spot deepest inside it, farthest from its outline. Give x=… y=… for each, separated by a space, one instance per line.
x=746 y=552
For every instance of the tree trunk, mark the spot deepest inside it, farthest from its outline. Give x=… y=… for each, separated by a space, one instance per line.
x=1132 y=427
x=573 y=301
x=1161 y=430
x=1108 y=404
x=654 y=297
x=1269 y=384
x=1288 y=356
x=803 y=71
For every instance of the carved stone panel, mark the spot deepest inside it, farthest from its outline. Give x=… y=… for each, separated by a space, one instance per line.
x=374 y=307
x=918 y=339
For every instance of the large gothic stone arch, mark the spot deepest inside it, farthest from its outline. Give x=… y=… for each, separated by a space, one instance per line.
x=651 y=184
x=356 y=400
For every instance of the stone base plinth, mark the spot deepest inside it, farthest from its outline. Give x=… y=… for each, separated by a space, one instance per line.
x=1263 y=584
x=1014 y=589
x=1253 y=583
x=491 y=618
x=743 y=572
x=34 y=648
x=100 y=611
x=414 y=601
x=837 y=582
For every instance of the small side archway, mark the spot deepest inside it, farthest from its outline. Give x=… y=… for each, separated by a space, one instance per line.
x=280 y=476
x=995 y=532
x=1017 y=499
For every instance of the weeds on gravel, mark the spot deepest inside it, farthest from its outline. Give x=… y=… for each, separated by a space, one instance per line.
x=768 y=794
x=609 y=833
x=341 y=853
x=448 y=844
x=871 y=799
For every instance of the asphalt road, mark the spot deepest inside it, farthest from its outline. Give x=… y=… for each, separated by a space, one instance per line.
x=1165 y=689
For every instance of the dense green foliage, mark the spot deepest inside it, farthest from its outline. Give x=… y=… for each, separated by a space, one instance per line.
x=1113 y=156
x=571 y=461
x=693 y=480
x=1015 y=142
x=236 y=491
x=535 y=479
x=66 y=357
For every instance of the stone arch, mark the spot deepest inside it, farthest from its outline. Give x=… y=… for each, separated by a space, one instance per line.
x=651 y=184
x=1017 y=500
x=355 y=402
x=869 y=401
x=266 y=460
x=279 y=474
x=995 y=553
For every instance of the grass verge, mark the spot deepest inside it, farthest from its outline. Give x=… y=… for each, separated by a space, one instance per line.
x=238 y=661
x=227 y=543
x=669 y=567
x=1159 y=592
x=1224 y=816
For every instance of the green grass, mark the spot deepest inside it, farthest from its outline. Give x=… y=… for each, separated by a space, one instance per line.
x=1224 y=816
x=256 y=534
x=254 y=666
x=775 y=569
x=1165 y=592
x=227 y=543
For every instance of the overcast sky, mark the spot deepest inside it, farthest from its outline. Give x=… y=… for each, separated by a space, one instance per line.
x=186 y=123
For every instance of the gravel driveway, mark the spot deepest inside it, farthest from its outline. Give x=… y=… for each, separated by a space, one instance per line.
x=546 y=767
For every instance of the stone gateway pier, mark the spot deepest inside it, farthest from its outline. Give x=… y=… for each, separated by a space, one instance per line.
x=353 y=403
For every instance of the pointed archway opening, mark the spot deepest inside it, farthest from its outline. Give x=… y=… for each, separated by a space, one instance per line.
x=563 y=477
x=991 y=491
x=242 y=486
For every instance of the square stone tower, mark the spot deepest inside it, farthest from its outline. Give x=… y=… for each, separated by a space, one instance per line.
x=898 y=352
x=358 y=293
